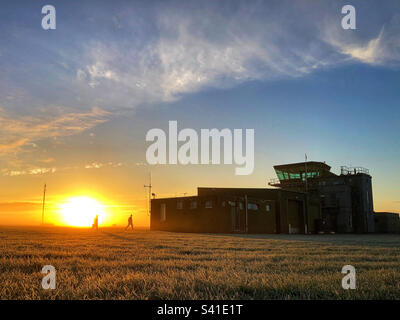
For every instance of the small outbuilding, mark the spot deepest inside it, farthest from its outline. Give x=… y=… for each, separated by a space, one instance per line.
x=387 y=222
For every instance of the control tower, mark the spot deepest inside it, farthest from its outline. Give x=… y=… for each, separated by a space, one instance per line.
x=346 y=199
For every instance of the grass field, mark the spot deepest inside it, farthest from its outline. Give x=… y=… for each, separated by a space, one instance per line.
x=113 y=264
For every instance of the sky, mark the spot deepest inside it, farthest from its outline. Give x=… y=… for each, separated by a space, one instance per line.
x=76 y=102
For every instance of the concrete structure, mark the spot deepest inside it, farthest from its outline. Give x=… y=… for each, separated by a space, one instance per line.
x=307 y=198
x=243 y=210
x=346 y=199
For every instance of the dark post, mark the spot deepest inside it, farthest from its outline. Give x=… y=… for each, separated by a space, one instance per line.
x=44 y=200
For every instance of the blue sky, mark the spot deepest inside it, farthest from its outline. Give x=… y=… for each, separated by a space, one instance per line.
x=82 y=97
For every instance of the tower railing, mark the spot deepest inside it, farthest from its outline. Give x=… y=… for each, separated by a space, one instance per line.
x=353 y=170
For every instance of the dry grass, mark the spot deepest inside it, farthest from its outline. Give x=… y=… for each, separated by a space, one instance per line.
x=113 y=264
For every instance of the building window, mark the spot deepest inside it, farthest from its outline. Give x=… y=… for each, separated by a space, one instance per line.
x=240 y=205
x=294 y=175
x=252 y=206
x=193 y=205
x=208 y=204
x=163 y=212
x=268 y=208
x=286 y=175
x=179 y=205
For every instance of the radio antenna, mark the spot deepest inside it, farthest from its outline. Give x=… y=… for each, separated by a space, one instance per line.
x=43 y=203
x=149 y=204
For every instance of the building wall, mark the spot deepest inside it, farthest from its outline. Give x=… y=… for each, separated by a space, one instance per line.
x=226 y=215
x=337 y=206
x=284 y=211
x=269 y=211
x=387 y=222
x=313 y=212
x=189 y=219
x=347 y=202
x=282 y=199
x=262 y=220
x=362 y=202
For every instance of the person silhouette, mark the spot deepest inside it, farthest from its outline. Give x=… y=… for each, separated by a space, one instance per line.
x=130 y=223
x=96 y=223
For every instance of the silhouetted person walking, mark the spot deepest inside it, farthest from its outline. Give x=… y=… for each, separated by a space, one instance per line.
x=130 y=223
x=96 y=223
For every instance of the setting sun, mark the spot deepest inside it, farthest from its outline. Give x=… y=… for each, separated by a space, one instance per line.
x=81 y=211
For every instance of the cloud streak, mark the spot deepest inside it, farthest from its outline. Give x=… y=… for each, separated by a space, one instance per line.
x=169 y=50
x=381 y=47
x=186 y=58
x=203 y=46
x=16 y=132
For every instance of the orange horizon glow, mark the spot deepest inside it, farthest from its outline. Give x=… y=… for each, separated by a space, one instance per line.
x=81 y=211
x=76 y=209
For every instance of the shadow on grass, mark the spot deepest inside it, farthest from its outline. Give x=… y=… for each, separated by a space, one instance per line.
x=368 y=240
x=373 y=240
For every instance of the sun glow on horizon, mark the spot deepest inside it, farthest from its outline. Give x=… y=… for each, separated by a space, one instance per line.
x=81 y=211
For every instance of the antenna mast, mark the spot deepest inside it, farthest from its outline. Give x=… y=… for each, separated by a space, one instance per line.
x=305 y=163
x=44 y=201
x=149 y=186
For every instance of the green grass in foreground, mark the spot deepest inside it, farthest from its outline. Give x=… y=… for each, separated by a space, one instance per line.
x=113 y=264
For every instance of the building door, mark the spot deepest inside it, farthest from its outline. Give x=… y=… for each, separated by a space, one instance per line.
x=235 y=215
x=295 y=216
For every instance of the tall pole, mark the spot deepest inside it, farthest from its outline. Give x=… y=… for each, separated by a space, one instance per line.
x=43 y=204
x=149 y=186
x=306 y=202
x=247 y=217
x=305 y=163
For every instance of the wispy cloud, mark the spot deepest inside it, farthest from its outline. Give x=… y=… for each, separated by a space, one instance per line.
x=380 y=47
x=370 y=53
x=98 y=165
x=33 y=171
x=185 y=58
x=46 y=160
x=161 y=51
x=19 y=131
x=158 y=55
x=204 y=46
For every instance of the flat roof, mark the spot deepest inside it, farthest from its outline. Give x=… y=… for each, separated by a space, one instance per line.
x=300 y=166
